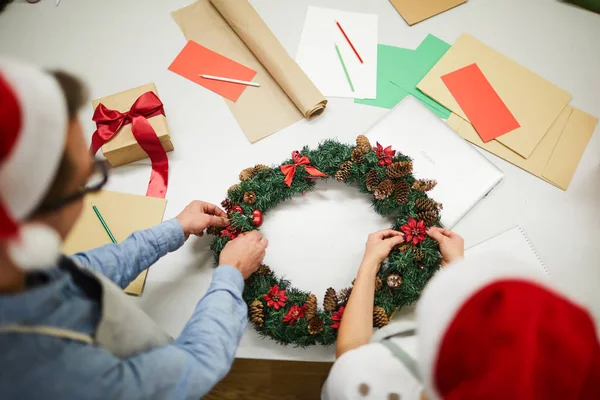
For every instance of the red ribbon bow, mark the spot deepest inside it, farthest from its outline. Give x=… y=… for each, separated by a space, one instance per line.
x=109 y=122
x=289 y=170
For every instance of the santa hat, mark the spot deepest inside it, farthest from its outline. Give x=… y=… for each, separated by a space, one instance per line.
x=33 y=127
x=493 y=328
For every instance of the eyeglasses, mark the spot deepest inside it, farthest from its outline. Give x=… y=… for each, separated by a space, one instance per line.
x=96 y=182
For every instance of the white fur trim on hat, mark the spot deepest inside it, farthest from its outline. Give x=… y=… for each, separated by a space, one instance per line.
x=38 y=247
x=29 y=169
x=446 y=293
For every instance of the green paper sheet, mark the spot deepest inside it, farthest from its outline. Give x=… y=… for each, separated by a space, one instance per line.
x=399 y=71
x=433 y=105
x=389 y=58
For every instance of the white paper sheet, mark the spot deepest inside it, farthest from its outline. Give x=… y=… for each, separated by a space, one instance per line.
x=318 y=58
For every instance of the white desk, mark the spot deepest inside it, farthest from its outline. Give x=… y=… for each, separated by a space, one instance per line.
x=116 y=45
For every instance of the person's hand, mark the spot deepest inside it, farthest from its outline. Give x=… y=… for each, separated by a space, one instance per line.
x=245 y=253
x=452 y=245
x=198 y=216
x=379 y=245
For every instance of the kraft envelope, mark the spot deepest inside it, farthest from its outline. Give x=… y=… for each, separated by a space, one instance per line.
x=124 y=214
x=556 y=158
x=234 y=29
x=414 y=11
x=534 y=102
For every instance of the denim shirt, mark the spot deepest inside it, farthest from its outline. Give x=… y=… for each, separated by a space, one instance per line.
x=45 y=367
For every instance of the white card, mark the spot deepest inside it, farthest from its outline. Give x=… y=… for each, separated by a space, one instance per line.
x=319 y=60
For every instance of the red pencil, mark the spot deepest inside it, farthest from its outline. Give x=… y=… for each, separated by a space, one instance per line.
x=349 y=42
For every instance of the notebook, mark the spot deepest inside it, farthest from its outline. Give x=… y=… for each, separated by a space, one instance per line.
x=124 y=214
x=514 y=242
x=464 y=175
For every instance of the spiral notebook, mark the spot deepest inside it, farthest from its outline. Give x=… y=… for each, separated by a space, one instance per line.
x=514 y=242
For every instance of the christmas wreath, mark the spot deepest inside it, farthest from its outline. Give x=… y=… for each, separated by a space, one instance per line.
x=292 y=316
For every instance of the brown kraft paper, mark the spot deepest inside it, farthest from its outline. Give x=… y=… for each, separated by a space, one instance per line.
x=233 y=28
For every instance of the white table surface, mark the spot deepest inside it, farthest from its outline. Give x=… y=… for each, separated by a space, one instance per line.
x=317 y=240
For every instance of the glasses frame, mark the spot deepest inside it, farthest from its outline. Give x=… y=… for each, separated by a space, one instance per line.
x=99 y=165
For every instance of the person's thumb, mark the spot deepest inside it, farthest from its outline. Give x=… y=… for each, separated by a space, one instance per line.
x=218 y=221
x=436 y=234
x=394 y=241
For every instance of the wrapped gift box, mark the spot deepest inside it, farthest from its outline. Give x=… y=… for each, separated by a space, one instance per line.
x=123 y=148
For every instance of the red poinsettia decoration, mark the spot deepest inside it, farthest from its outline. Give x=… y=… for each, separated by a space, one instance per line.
x=276 y=298
x=414 y=231
x=384 y=155
x=294 y=314
x=336 y=316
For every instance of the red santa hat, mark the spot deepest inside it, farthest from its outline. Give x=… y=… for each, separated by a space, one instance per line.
x=493 y=328
x=33 y=127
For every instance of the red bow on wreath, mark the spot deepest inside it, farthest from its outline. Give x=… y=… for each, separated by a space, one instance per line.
x=289 y=170
x=109 y=122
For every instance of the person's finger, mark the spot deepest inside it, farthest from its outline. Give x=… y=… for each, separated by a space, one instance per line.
x=448 y=232
x=435 y=233
x=217 y=221
x=212 y=209
x=387 y=233
x=264 y=242
x=254 y=235
x=394 y=241
x=262 y=256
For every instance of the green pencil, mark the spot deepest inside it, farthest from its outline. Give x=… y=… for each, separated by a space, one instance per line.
x=337 y=49
x=106 y=228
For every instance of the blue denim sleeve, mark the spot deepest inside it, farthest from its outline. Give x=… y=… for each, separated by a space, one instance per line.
x=188 y=368
x=123 y=262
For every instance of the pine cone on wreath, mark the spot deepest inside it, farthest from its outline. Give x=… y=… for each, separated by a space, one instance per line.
x=344 y=172
x=372 y=180
x=315 y=326
x=380 y=318
x=429 y=217
x=233 y=188
x=344 y=295
x=425 y=204
x=330 y=302
x=249 y=198
x=227 y=204
x=424 y=185
x=310 y=307
x=247 y=174
x=399 y=169
x=358 y=156
x=257 y=315
x=378 y=283
x=260 y=168
x=213 y=230
x=403 y=248
x=263 y=269
x=402 y=190
x=384 y=190
x=363 y=144
x=418 y=255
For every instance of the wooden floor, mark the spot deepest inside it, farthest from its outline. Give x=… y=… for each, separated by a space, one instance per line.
x=271 y=380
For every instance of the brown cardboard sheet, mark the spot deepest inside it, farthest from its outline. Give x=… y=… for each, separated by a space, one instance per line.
x=123 y=148
x=234 y=29
x=556 y=157
x=124 y=214
x=535 y=102
x=416 y=11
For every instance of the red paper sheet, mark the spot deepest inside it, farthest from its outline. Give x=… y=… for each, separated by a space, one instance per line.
x=196 y=59
x=481 y=104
